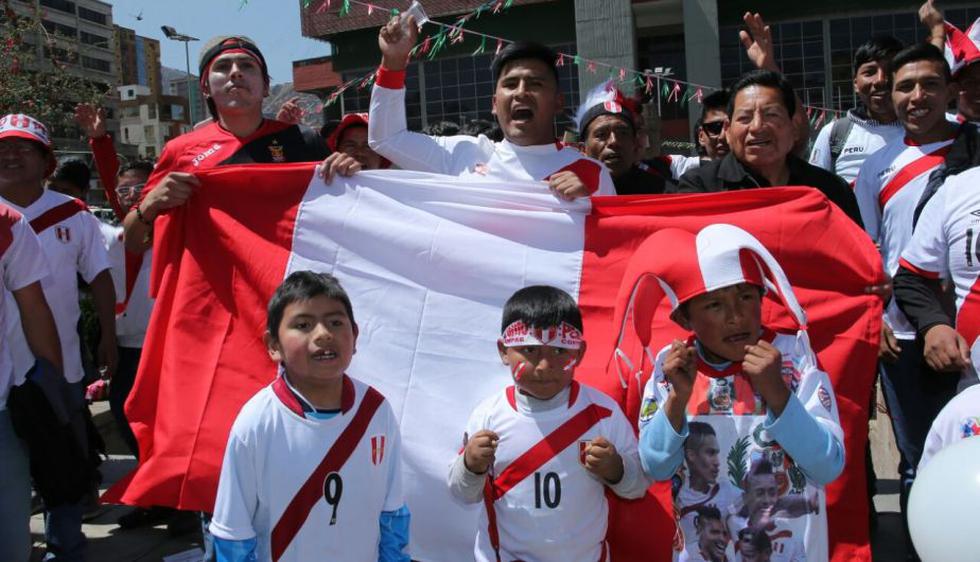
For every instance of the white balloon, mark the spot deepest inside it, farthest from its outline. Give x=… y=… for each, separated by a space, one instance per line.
x=944 y=503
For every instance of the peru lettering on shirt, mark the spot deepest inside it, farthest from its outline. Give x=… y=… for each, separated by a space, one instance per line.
x=558 y=512
x=723 y=399
x=888 y=188
x=463 y=155
x=22 y=262
x=946 y=243
x=272 y=452
x=865 y=138
x=72 y=246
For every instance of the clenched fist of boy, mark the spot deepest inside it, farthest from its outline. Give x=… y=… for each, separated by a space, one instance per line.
x=602 y=460
x=479 y=451
x=763 y=366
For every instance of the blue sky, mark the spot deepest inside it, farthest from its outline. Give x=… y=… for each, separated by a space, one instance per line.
x=273 y=24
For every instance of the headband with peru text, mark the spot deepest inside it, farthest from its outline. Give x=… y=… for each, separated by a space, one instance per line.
x=564 y=336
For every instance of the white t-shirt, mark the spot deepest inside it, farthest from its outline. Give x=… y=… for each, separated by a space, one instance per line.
x=273 y=450
x=463 y=155
x=557 y=511
x=73 y=246
x=725 y=400
x=132 y=320
x=680 y=165
x=864 y=139
x=946 y=244
x=959 y=419
x=888 y=188
x=21 y=263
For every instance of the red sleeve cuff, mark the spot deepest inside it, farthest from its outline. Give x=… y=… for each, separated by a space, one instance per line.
x=391 y=79
x=917 y=270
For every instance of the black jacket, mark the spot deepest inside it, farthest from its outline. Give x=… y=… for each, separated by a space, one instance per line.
x=643 y=178
x=728 y=174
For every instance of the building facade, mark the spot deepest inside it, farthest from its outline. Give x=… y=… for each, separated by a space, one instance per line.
x=691 y=40
x=137 y=59
x=149 y=120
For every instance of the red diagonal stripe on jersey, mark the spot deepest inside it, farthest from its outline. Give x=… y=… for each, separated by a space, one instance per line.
x=913 y=170
x=546 y=449
x=302 y=503
x=56 y=214
x=968 y=317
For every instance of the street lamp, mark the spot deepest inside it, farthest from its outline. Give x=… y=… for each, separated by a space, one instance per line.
x=172 y=34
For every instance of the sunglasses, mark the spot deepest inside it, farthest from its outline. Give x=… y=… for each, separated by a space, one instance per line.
x=714 y=128
x=127 y=190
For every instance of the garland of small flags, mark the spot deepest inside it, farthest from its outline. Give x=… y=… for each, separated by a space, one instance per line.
x=671 y=90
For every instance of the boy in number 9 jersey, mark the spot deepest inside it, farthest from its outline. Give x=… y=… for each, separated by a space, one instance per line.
x=541 y=453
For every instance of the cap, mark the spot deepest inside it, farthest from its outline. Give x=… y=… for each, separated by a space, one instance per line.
x=605 y=99
x=25 y=127
x=349 y=120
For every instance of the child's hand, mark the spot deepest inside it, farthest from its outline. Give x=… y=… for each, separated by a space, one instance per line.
x=602 y=460
x=762 y=364
x=680 y=367
x=478 y=454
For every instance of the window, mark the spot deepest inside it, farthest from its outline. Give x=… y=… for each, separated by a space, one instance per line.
x=96 y=64
x=59 y=29
x=63 y=5
x=93 y=39
x=92 y=15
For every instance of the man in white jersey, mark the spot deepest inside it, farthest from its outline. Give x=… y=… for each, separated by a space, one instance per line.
x=701 y=487
x=843 y=145
x=72 y=244
x=946 y=244
x=888 y=188
x=526 y=100
x=22 y=266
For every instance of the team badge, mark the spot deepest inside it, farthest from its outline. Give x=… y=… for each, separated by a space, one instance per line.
x=791 y=376
x=824 y=397
x=612 y=107
x=377 y=449
x=721 y=395
x=481 y=168
x=971 y=427
x=648 y=409
x=63 y=234
x=277 y=152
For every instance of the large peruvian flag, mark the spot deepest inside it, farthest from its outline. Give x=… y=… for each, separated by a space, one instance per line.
x=429 y=262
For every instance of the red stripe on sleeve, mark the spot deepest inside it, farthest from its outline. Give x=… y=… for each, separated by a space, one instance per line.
x=902 y=262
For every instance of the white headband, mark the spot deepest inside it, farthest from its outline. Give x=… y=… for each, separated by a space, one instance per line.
x=564 y=336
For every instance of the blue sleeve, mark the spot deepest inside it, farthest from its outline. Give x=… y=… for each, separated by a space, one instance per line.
x=394 y=535
x=226 y=550
x=811 y=445
x=661 y=448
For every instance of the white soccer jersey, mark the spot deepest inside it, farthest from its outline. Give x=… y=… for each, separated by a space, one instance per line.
x=21 y=263
x=548 y=506
x=680 y=165
x=73 y=246
x=720 y=494
x=278 y=484
x=463 y=155
x=132 y=315
x=888 y=188
x=946 y=244
x=725 y=400
x=864 y=139
x=959 y=419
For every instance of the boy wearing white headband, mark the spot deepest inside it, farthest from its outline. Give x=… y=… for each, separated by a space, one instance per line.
x=541 y=453
x=772 y=409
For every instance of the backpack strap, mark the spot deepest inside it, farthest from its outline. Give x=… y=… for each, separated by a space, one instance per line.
x=839 y=132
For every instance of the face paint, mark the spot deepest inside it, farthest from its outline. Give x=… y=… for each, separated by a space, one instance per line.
x=570 y=366
x=518 y=370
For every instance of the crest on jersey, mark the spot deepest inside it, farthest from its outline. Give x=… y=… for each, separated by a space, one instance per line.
x=277 y=152
x=824 y=397
x=481 y=168
x=377 y=449
x=63 y=234
x=971 y=427
x=648 y=409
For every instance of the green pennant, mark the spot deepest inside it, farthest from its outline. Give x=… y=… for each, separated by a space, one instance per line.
x=345 y=8
x=577 y=60
x=508 y=4
x=482 y=47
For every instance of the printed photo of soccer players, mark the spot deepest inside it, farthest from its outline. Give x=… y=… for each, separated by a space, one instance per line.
x=764 y=510
x=753 y=546
x=712 y=538
x=701 y=486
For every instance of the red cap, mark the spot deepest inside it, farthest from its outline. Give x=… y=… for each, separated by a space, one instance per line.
x=349 y=120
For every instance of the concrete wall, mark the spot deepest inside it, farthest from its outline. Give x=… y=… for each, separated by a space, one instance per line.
x=604 y=31
x=701 y=44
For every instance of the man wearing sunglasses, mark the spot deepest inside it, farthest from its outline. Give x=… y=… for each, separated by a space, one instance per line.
x=711 y=141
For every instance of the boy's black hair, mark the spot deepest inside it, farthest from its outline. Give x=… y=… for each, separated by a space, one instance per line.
x=880 y=48
x=708 y=512
x=768 y=79
x=303 y=286
x=524 y=50
x=541 y=306
x=714 y=100
x=142 y=166
x=697 y=431
x=75 y=172
x=916 y=53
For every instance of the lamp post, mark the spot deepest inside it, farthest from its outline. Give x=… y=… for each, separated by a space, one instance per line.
x=172 y=34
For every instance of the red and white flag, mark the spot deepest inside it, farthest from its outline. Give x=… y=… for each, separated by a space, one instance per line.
x=429 y=262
